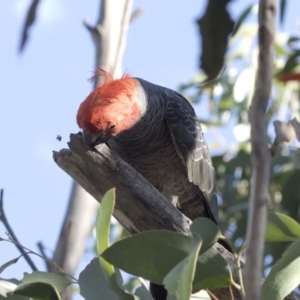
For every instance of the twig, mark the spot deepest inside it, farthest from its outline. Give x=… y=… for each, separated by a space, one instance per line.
x=211 y=295
x=12 y=235
x=231 y=293
x=39 y=255
x=239 y=267
x=237 y=256
x=257 y=214
x=122 y=36
x=42 y=250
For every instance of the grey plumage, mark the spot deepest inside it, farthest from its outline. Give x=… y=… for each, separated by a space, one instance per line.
x=167 y=147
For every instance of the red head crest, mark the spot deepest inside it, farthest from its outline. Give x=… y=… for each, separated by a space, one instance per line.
x=112 y=106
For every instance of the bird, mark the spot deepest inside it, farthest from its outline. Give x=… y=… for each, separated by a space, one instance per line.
x=156 y=131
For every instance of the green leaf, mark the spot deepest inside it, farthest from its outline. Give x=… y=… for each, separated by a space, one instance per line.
x=93 y=283
x=212 y=271
x=58 y=281
x=241 y=19
x=9 y=263
x=38 y=291
x=284 y=276
x=14 y=297
x=207 y=230
x=153 y=254
x=291 y=63
x=103 y=221
x=137 y=286
x=281 y=228
x=6 y=287
x=179 y=280
x=142 y=292
x=103 y=233
x=150 y=255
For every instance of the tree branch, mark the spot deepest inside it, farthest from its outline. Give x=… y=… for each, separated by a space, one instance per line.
x=110 y=33
x=43 y=253
x=109 y=37
x=139 y=206
x=12 y=235
x=260 y=154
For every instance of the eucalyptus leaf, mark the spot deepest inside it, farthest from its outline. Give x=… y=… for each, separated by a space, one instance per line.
x=242 y=18
x=6 y=287
x=153 y=254
x=179 y=280
x=212 y=271
x=142 y=292
x=207 y=230
x=14 y=297
x=292 y=62
x=281 y=228
x=93 y=283
x=9 y=263
x=59 y=282
x=284 y=276
x=150 y=255
x=102 y=234
x=38 y=291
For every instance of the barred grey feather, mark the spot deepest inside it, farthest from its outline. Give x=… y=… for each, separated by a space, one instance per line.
x=167 y=147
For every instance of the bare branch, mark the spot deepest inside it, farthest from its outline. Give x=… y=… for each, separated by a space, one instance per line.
x=260 y=154
x=139 y=205
x=109 y=37
x=12 y=235
x=110 y=34
x=43 y=253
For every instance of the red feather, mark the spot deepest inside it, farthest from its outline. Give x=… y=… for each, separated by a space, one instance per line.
x=92 y=113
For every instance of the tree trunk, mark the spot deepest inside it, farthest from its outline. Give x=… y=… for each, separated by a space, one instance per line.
x=109 y=36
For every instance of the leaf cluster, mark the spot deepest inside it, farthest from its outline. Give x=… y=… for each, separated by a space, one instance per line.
x=183 y=264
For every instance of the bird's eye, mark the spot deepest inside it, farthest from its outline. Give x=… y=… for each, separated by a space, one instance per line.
x=112 y=126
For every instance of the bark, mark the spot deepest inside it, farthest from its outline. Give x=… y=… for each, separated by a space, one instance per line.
x=139 y=206
x=257 y=217
x=109 y=36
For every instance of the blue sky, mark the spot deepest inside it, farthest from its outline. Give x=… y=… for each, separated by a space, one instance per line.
x=40 y=92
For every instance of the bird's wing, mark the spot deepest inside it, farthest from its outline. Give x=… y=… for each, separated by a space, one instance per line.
x=188 y=139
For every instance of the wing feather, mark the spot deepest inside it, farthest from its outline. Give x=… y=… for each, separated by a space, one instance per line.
x=188 y=139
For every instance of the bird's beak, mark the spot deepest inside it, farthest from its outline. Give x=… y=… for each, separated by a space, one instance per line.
x=93 y=139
